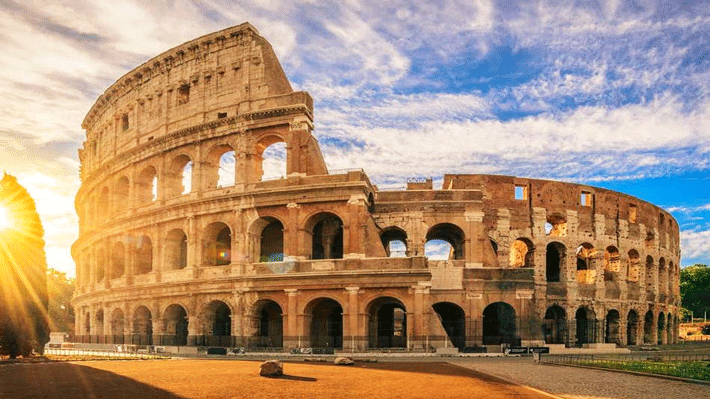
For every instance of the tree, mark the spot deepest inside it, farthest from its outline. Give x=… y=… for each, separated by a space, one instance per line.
x=60 y=290
x=695 y=288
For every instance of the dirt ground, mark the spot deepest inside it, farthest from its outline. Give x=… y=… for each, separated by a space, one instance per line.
x=138 y=379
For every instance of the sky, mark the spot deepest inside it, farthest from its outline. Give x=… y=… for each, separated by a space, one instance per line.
x=613 y=94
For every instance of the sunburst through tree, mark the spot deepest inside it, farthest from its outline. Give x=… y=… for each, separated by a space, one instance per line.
x=24 y=324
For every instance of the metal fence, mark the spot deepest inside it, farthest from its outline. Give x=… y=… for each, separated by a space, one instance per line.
x=101 y=353
x=659 y=356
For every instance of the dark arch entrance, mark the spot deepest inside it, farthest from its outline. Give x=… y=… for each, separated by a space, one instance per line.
x=632 y=321
x=175 y=325
x=326 y=324
x=388 y=323
x=586 y=326
x=612 y=334
x=555 y=325
x=453 y=319
x=220 y=322
x=142 y=326
x=499 y=325
x=661 y=328
x=648 y=328
x=555 y=254
x=270 y=327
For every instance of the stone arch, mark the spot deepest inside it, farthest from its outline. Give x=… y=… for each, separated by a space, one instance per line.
x=117 y=326
x=648 y=328
x=661 y=327
x=101 y=261
x=555 y=256
x=555 y=325
x=218 y=244
x=219 y=168
x=270 y=156
x=324 y=323
x=147 y=185
x=104 y=203
x=178 y=178
x=99 y=323
x=326 y=236
x=218 y=323
x=522 y=253
x=451 y=234
x=586 y=325
x=87 y=323
x=586 y=272
x=612 y=263
x=499 y=324
x=669 y=328
x=118 y=260
x=268 y=316
x=176 y=325
x=650 y=275
x=142 y=325
x=121 y=193
x=633 y=268
x=144 y=255
x=387 y=326
x=175 y=247
x=556 y=225
x=394 y=240
x=662 y=276
x=453 y=320
x=267 y=234
x=612 y=332
x=632 y=322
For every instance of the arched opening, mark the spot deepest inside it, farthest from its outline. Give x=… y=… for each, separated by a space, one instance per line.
x=670 y=328
x=556 y=225
x=143 y=327
x=662 y=276
x=271 y=241
x=661 y=328
x=586 y=273
x=672 y=273
x=117 y=326
x=100 y=264
x=387 y=323
x=87 y=323
x=103 y=205
x=327 y=236
x=453 y=320
x=612 y=333
x=179 y=176
x=632 y=268
x=147 y=186
x=612 y=264
x=144 y=255
x=219 y=323
x=650 y=275
x=175 y=250
x=554 y=261
x=394 y=240
x=99 y=325
x=555 y=325
x=218 y=241
x=227 y=169
x=219 y=168
x=499 y=325
x=632 y=322
x=270 y=327
x=648 y=328
x=522 y=253
x=326 y=323
x=118 y=260
x=271 y=159
x=175 y=325
x=586 y=326
x=450 y=234
x=120 y=194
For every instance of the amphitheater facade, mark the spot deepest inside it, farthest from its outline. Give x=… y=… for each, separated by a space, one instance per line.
x=170 y=254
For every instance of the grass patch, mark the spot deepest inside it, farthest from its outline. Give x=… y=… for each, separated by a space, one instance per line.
x=694 y=370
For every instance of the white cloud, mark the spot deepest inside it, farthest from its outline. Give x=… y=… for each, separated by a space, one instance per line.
x=695 y=244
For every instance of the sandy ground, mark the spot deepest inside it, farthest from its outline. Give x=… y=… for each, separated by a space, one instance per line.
x=138 y=379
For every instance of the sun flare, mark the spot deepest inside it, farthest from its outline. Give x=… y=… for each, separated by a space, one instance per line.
x=4 y=218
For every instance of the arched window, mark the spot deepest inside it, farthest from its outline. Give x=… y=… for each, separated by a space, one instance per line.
x=327 y=236
x=179 y=176
x=632 y=268
x=556 y=225
x=271 y=242
x=394 y=240
x=586 y=273
x=101 y=261
x=271 y=159
x=612 y=264
x=441 y=234
x=555 y=261
x=144 y=255
x=522 y=253
x=175 y=250
x=147 y=186
x=227 y=169
x=118 y=260
x=651 y=275
x=120 y=194
x=218 y=237
x=220 y=167
x=662 y=276
x=103 y=205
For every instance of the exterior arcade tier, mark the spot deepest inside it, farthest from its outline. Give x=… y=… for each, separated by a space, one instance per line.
x=179 y=246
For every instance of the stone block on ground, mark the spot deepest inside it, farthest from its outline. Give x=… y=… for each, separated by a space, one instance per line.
x=271 y=368
x=343 y=361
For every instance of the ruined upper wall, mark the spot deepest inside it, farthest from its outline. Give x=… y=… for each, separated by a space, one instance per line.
x=221 y=75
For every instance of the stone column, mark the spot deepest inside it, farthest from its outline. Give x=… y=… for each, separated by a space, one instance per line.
x=291 y=231
x=292 y=332
x=352 y=331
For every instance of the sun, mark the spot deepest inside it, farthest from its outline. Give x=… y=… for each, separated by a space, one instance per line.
x=4 y=218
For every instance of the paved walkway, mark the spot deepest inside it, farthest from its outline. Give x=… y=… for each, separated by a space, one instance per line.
x=580 y=383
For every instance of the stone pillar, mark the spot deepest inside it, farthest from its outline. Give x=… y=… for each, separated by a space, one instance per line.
x=474 y=232
x=292 y=332
x=352 y=331
x=291 y=231
x=355 y=235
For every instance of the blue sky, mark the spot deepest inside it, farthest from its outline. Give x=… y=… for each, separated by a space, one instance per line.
x=613 y=94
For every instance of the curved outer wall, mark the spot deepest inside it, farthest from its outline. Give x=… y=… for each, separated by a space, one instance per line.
x=304 y=260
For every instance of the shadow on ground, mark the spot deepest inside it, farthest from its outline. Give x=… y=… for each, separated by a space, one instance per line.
x=67 y=380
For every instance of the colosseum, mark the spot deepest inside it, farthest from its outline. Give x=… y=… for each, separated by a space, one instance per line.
x=180 y=248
